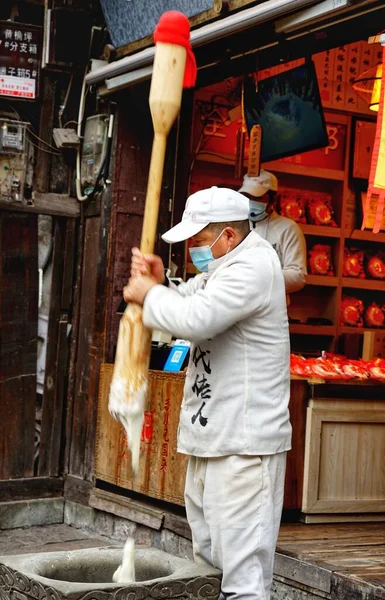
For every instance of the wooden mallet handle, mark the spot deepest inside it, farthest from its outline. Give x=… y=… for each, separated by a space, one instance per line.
x=165 y=101
x=129 y=383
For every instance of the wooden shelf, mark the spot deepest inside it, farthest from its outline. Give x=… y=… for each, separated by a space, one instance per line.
x=360 y=330
x=304 y=171
x=364 y=284
x=303 y=328
x=320 y=230
x=366 y=236
x=321 y=280
x=321 y=295
x=277 y=167
x=315 y=380
x=210 y=157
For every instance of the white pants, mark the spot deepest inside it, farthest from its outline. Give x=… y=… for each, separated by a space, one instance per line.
x=234 y=506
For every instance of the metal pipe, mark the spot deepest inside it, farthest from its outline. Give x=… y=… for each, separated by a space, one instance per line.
x=207 y=33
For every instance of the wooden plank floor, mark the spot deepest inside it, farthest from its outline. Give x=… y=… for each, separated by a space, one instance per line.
x=354 y=551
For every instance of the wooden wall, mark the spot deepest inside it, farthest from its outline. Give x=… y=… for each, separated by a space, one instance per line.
x=18 y=355
x=18 y=343
x=21 y=474
x=91 y=258
x=82 y=418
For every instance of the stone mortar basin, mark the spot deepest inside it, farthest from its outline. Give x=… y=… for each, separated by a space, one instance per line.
x=87 y=575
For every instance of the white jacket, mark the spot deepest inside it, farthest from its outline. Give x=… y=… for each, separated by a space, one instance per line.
x=237 y=387
x=288 y=241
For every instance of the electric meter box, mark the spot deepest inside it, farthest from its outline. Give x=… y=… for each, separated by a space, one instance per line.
x=16 y=166
x=94 y=148
x=12 y=136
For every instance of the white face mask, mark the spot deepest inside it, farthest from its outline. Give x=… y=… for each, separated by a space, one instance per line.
x=257 y=211
x=201 y=256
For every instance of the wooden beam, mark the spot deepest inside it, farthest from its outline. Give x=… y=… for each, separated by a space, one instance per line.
x=177 y=524
x=84 y=404
x=30 y=488
x=55 y=367
x=127 y=508
x=77 y=490
x=43 y=163
x=92 y=209
x=72 y=368
x=69 y=265
x=59 y=205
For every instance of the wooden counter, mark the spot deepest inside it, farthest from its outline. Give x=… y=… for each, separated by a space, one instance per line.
x=344 y=461
x=336 y=466
x=161 y=470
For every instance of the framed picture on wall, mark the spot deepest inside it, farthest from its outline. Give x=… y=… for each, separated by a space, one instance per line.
x=288 y=107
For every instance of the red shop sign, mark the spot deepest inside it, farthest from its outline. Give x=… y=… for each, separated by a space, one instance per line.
x=331 y=157
x=215 y=135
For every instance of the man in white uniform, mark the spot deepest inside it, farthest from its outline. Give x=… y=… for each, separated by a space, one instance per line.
x=234 y=420
x=283 y=234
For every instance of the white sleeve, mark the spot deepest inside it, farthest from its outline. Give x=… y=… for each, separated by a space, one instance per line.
x=238 y=291
x=187 y=287
x=293 y=249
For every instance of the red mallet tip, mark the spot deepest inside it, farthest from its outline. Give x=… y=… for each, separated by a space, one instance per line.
x=174 y=28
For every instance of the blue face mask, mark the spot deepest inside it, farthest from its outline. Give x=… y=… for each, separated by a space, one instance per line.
x=257 y=211
x=201 y=256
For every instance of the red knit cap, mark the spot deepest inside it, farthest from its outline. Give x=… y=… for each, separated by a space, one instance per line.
x=174 y=28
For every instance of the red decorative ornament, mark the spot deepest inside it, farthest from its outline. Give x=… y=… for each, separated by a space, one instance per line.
x=351 y=315
x=353 y=265
x=374 y=316
x=352 y=311
x=320 y=262
x=323 y=214
x=292 y=207
x=320 y=212
x=376 y=267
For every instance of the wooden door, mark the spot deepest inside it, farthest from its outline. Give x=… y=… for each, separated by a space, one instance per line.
x=18 y=343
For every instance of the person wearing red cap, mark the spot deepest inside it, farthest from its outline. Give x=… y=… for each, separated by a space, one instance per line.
x=234 y=419
x=282 y=233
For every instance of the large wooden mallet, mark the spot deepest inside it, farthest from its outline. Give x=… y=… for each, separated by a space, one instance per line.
x=174 y=68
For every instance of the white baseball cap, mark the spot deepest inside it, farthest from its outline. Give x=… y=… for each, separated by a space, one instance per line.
x=258 y=186
x=213 y=205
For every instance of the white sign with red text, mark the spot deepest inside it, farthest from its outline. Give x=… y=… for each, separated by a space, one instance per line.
x=18 y=87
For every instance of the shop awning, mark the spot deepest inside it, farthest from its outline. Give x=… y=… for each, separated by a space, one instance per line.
x=134 y=68
x=138 y=67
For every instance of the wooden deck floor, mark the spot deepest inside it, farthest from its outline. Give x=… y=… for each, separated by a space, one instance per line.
x=353 y=554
